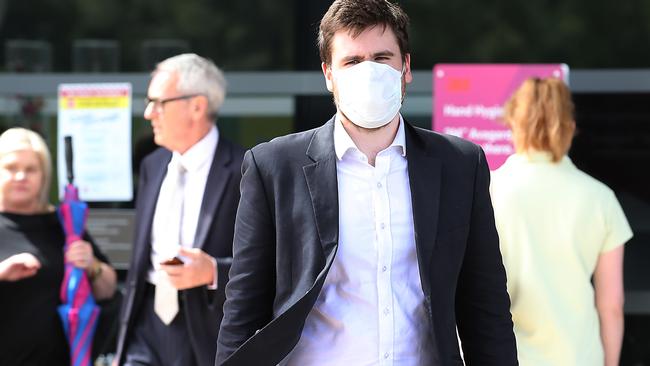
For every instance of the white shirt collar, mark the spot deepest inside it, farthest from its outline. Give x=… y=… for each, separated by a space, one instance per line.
x=200 y=153
x=343 y=142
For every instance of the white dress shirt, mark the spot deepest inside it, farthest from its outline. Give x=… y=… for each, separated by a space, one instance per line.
x=371 y=310
x=196 y=161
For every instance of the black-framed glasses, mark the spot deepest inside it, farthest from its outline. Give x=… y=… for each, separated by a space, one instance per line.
x=158 y=103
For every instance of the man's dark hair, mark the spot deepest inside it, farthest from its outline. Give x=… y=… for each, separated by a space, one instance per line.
x=357 y=16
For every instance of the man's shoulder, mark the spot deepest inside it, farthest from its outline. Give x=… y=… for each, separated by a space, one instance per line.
x=289 y=146
x=157 y=156
x=236 y=151
x=443 y=145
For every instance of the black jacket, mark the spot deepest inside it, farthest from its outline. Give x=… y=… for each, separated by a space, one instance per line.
x=214 y=233
x=286 y=236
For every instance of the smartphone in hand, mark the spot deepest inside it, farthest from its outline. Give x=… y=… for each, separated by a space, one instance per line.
x=173 y=261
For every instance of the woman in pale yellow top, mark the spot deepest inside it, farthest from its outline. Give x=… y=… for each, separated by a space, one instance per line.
x=559 y=229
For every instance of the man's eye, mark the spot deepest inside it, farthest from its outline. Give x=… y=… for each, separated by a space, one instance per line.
x=10 y=168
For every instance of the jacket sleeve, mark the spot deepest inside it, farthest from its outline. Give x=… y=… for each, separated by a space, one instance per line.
x=250 y=290
x=482 y=302
x=126 y=308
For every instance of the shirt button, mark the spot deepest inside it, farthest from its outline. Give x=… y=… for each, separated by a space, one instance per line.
x=386 y=355
x=386 y=311
x=378 y=184
x=383 y=269
x=382 y=226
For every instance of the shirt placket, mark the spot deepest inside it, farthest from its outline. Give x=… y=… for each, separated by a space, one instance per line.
x=384 y=259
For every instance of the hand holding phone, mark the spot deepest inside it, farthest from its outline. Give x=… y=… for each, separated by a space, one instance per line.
x=173 y=261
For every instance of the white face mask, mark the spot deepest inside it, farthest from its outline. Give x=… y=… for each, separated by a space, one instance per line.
x=369 y=93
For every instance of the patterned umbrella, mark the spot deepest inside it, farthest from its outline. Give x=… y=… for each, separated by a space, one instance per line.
x=78 y=310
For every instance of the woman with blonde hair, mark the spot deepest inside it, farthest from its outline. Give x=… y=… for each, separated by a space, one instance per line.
x=32 y=259
x=561 y=233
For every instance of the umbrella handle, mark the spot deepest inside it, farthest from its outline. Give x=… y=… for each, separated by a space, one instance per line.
x=69 y=158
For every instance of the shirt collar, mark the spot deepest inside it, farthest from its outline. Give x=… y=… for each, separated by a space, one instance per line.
x=538 y=157
x=200 y=153
x=343 y=142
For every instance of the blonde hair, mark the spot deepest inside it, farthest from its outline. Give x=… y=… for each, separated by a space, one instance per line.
x=17 y=139
x=540 y=115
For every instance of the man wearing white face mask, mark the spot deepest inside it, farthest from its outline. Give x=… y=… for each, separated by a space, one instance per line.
x=366 y=241
x=368 y=94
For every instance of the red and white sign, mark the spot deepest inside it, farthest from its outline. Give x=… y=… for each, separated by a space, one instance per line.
x=98 y=117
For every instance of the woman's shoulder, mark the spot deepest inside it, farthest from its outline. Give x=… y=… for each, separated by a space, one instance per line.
x=25 y=222
x=586 y=182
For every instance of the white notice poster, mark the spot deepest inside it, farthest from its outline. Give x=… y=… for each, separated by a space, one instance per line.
x=98 y=118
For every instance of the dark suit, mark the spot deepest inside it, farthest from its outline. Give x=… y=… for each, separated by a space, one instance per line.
x=286 y=237
x=202 y=308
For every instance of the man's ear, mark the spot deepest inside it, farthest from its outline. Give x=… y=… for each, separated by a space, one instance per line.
x=408 y=77
x=199 y=106
x=327 y=72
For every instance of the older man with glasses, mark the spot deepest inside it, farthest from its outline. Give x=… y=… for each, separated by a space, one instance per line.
x=185 y=211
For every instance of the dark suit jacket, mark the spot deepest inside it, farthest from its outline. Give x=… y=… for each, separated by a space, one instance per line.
x=286 y=236
x=214 y=233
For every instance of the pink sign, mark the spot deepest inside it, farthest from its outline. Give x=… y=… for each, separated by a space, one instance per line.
x=468 y=102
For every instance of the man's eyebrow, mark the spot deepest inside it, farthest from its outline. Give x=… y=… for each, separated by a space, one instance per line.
x=351 y=58
x=383 y=53
x=374 y=55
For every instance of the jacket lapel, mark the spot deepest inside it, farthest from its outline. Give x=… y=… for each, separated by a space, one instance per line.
x=147 y=206
x=322 y=184
x=424 y=171
x=215 y=185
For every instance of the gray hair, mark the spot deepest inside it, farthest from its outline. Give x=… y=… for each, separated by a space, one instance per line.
x=17 y=139
x=197 y=75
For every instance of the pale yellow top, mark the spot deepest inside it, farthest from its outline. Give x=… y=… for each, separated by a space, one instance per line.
x=553 y=222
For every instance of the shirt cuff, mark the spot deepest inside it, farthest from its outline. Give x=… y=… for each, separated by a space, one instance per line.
x=213 y=285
